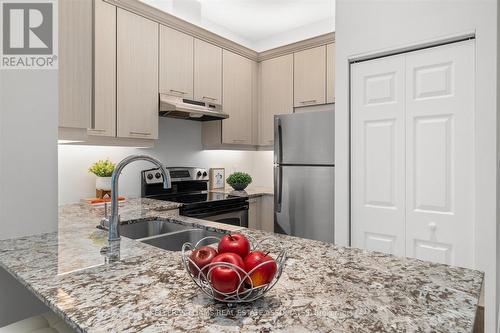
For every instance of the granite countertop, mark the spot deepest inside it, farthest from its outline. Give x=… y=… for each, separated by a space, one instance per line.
x=251 y=192
x=323 y=287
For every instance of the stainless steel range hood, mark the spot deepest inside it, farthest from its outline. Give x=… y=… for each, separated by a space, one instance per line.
x=178 y=107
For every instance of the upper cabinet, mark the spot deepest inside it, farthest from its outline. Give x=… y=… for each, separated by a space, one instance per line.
x=238 y=99
x=176 y=63
x=113 y=63
x=137 y=76
x=310 y=77
x=207 y=72
x=276 y=94
x=104 y=105
x=75 y=63
x=330 y=73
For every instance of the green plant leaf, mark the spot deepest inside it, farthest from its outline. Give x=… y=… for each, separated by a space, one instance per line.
x=102 y=168
x=239 y=178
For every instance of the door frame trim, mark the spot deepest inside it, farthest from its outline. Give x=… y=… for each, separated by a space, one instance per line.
x=451 y=39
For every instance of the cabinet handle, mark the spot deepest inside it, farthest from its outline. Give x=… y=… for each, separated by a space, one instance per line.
x=239 y=140
x=178 y=92
x=309 y=102
x=210 y=98
x=97 y=130
x=139 y=133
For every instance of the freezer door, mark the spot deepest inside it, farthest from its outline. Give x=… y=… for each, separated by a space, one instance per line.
x=304 y=138
x=304 y=201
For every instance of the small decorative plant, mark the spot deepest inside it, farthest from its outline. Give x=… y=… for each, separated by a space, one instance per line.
x=239 y=180
x=102 y=168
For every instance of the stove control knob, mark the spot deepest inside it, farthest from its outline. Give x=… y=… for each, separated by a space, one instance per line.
x=158 y=175
x=198 y=173
x=204 y=173
x=149 y=176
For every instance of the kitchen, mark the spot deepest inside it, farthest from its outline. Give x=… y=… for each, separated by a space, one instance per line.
x=124 y=63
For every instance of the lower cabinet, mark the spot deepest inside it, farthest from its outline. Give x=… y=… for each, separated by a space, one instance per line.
x=137 y=76
x=261 y=213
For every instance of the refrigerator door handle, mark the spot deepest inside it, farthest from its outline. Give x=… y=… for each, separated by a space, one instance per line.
x=278 y=140
x=278 y=182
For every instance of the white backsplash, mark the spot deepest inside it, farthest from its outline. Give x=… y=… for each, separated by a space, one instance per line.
x=179 y=145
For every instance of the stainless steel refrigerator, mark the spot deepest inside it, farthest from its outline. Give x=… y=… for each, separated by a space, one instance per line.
x=304 y=175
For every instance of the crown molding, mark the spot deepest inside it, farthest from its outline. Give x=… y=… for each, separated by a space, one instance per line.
x=171 y=21
x=154 y=14
x=297 y=46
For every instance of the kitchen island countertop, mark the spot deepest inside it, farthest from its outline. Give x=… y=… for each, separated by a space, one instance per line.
x=323 y=287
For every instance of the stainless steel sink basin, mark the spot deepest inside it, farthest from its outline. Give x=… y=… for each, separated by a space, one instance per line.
x=167 y=235
x=150 y=228
x=175 y=240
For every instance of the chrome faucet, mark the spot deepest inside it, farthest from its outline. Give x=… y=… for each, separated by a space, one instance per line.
x=114 y=219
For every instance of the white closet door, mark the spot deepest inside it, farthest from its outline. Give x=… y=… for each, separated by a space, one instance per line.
x=377 y=160
x=439 y=154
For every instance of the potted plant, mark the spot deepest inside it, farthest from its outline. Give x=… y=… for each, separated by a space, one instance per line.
x=239 y=180
x=103 y=169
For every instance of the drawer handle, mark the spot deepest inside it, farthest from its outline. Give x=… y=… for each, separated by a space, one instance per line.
x=210 y=98
x=178 y=92
x=97 y=130
x=140 y=133
x=239 y=140
x=309 y=102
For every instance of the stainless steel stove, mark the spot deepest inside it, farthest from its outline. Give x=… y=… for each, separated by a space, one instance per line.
x=190 y=187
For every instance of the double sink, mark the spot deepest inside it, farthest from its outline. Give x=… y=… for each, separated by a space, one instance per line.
x=167 y=235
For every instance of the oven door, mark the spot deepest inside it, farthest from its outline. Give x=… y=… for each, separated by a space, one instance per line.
x=235 y=216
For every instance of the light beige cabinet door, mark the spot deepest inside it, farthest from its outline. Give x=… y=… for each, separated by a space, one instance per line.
x=137 y=76
x=207 y=72
x=310 y=77
x=276 y=94
x=330 y=73
x=104 y=109
x=176 y=63
x=75 y=63
x=254 y=213
x=237 y=92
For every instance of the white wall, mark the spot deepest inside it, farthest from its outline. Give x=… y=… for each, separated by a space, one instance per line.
x=28 y=152
x=28 y=171
x=179 y=145
x=367 y=26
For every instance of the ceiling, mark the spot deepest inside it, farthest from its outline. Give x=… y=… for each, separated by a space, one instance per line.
x=258 y=24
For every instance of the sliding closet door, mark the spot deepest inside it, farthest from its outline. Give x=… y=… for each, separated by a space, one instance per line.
x=377 y=155
x=439 y=154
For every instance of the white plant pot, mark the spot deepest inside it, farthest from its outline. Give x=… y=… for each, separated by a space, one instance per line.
x=103 y=183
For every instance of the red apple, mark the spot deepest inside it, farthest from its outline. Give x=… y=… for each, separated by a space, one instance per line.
x=224 y=278
x=201 y=257
x=264 y=273
x=234 y=243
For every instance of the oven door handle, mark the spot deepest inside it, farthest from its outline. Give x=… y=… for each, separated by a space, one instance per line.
x=215 y=213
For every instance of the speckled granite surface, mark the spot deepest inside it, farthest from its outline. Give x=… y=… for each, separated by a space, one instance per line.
x=251 y=191
x=324 y=288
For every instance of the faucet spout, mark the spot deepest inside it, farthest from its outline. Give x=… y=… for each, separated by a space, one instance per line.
x=114 y=219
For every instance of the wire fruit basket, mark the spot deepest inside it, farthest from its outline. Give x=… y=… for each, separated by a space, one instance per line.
x=246 y=291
